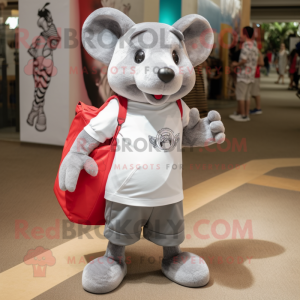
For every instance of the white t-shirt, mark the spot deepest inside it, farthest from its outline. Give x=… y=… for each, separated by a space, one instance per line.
x=249 y=53
x=147 y=168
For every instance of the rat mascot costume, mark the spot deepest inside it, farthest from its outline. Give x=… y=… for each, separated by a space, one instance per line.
x=151 y=65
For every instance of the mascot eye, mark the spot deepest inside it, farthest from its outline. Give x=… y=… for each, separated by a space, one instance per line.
x=139 y=56
x=175 y=57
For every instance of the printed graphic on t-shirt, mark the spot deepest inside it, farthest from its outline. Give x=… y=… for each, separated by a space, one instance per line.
x=165 y=140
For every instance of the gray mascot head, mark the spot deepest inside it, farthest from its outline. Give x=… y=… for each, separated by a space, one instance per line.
x=148 y=62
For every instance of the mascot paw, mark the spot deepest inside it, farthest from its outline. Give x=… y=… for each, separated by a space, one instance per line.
x=186 y=269
x=103 y=275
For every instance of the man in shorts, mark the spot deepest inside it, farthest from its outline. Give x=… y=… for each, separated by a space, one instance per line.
x=245 y=68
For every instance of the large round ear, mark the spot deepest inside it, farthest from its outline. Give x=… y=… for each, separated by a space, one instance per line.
x=198 y=37
x=102 y=30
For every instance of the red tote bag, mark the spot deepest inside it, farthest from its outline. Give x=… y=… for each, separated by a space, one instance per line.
x=86 y=205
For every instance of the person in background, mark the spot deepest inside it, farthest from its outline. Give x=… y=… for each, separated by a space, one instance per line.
x=281 y=62
x=204 y=75
x=298 y=65
x=245 y=69
x=275 y=60
x=237 y=51
x=267 y=64
x=298 y=92
x=216 y=79
x=296 y=74
x=293 y=66
x=197 y=97
x=256 y=87
x=269 y=56
x=234 y=56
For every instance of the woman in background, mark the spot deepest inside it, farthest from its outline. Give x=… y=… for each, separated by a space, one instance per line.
x=216 y=72
x=197 y=97
x=293 y=67
x=95 y=72
x=267 y=64
x=269 y=55
x=282 y=63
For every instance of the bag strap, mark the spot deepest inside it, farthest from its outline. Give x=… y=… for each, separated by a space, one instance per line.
x=122 y=107
x=121 y=118
x=122 y=110
x=180 y=107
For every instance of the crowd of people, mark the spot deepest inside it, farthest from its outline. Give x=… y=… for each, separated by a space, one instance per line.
x=244 y=78
x=246 y=64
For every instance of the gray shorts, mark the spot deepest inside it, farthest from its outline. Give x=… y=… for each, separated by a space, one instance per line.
x=162 y=225
x=256 y=88
x=243 y=90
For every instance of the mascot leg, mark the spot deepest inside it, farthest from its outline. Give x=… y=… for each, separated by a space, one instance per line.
x=165 y=227
x=184 y=268
x=104 y=274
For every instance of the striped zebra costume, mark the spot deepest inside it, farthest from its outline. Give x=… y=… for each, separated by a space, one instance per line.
x=42 y=52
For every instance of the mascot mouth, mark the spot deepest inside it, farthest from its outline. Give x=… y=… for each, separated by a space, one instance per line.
x=156 y=99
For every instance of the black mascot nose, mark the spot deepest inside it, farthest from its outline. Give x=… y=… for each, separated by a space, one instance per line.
x=166 y=74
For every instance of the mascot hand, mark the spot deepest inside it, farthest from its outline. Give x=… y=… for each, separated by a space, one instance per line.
x=203 y=132
x=70 y=169
x=77 y=159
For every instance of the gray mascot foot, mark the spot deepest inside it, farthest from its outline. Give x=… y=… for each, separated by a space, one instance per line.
x=104 y=274
x=184 y=268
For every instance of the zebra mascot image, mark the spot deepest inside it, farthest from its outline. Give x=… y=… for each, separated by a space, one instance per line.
x=42 y=52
